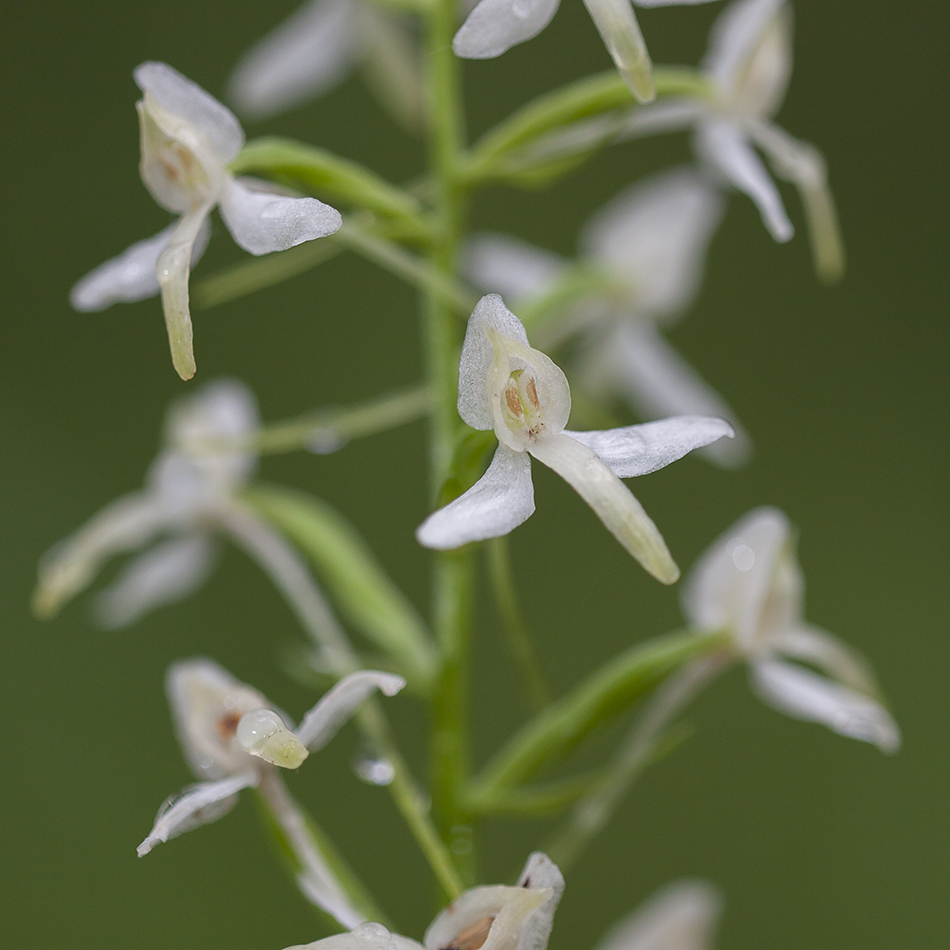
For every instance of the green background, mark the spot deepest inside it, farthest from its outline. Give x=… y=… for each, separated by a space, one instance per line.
x=815 y=841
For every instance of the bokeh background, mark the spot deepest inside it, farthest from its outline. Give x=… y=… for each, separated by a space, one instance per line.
x=815 y=841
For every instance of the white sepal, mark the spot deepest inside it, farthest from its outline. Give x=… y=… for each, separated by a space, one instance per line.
x=367 y=936
x=496 y=504
x=494 y=26
x=509 y=266
x=617 y=24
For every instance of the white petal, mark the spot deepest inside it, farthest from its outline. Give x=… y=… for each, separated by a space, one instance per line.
x=803 y=165
x=364 y=937
x=223 y=410
x=641 y=449
x=496 y=25
x=336 y=708
x=620 y=512
x=680 y=917
x=308 y=54
x=658 y=382
x=173 y=269
x=130 y=276
x=735 y=35
x=654 y=236
x=162 y=575
x=724 y=145
x=207 y=704
x=188 y=100
x=668 y=3
x=262 y=222
x=509 y=266
x=729 y=586
x=806 y=695
x=617 y=24
x=516 y=918
x=834 y=657
x=126 y=524
x=196 y=805
x=670 y=115
x=477 y=356
x=497 y=503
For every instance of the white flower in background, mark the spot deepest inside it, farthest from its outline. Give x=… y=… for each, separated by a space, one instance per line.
x=749 y=63
x=650 y=244
x=493 y=917
x=317 y=47
x=187 y=139
x=188 y=494
x=234 y=739
x=519 y=392
x=749 y=583
x=680 y=917
x=494 y=26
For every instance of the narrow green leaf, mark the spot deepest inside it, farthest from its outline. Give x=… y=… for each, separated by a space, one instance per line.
x=558 y=730
x=536 y=800
x=364 y=593
x=330 y=176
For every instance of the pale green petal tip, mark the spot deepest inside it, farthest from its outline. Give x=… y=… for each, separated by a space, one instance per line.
x=640 y=81
x=262 y=732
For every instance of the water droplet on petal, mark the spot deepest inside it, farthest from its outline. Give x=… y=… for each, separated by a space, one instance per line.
x=743 y=557
x=374 y=770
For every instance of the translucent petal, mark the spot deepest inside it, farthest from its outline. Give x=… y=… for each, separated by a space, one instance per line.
x=680 y=917
x=499 y=917
x=735 y=35
x=188 y=100
x=164 y=574
x=658 y=382
x=641 y=449
x=207 y=704
x=474 y=405
x=497 y=503
x=724 y=145
x=834 y=657
x=174 y=266
x=308 y=54
x=654 y=236
x=126 y=524
x=509 y=266
x=617 y=24
x=196 y=805
x=620 y=512
x=336 y=708
x=263 y=733
x=806 y=695
x=730 y=585
x=496 y=25
x=803 y=165
x=262 y=222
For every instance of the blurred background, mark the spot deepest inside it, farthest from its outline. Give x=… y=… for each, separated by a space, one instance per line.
x=815 y=841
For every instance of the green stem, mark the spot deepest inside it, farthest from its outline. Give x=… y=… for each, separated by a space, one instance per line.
x=452 y=570
x=518 y=636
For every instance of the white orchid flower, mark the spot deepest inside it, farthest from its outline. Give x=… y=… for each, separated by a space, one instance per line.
x=188 y=138
x=367 y=936
x=188 y=492
x=749 y=583
x=519 y=392
x=234 y=739
x=680 y=917
x=317 y=47
x=650 y=244
x=494 y=26
x=748 y=64
x=497 y=917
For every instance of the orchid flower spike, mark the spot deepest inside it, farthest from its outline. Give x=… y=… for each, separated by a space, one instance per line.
x=317 y=46
x=234 y=739
x=680 y=917
x=188 y=491
x=499 y=917
x=494 y=26
x=187 y=139
x=649 y=243
x=750 y=584
x=519 y=392
x=748 y=64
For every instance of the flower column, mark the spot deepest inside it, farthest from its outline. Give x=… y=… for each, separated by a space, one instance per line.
x=452 y=571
